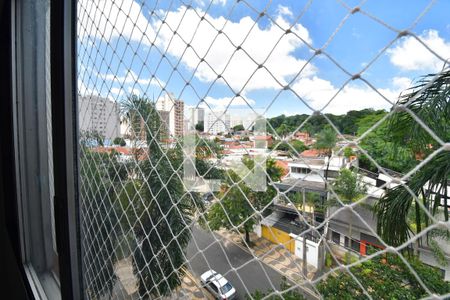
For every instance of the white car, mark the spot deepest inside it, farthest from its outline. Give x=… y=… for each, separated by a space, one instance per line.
x=218 y=285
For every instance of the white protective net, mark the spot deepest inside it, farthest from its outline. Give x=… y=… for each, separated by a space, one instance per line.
x=297 y=148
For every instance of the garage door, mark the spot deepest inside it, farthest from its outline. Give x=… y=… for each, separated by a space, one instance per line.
x=277 y=236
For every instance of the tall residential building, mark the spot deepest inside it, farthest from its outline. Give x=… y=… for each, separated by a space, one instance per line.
x=217 y=122
x=101 y=115
x=194 y=116
x=175 y=109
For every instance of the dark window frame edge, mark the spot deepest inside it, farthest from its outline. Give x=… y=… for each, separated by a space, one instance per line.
x=65 y=145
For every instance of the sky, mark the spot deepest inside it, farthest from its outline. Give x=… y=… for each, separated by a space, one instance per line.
x=281 y=57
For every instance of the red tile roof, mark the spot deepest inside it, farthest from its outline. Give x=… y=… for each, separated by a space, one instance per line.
x=263 y=138
x=284 y=166
x=311 y=153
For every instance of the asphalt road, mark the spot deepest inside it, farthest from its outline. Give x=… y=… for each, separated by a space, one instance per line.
x=249 y=274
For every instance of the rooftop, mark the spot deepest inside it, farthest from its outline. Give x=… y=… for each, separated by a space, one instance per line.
x=297 y=184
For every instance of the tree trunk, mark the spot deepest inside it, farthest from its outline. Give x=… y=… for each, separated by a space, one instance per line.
x=247 y=236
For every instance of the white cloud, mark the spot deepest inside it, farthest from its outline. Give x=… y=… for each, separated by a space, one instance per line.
x=221 y=2
x=131 y=77
x=284 y=11
x=282 y=63
x=401 y=83
x=317 y=93
x=222 y=103
x=116 y=91
x=134 y=91
x=411 y=55
x=108 y=19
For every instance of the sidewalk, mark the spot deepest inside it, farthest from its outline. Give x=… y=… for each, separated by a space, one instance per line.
x=190 y=287
x=276 y=256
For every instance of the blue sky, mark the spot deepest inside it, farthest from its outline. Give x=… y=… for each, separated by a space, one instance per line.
x=141 y=54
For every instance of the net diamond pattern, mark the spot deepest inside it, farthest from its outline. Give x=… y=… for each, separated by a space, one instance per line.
x=151 y=228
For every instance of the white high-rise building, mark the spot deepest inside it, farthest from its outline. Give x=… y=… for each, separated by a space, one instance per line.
x=195 y=116
x=235 y=120
x=175 y=110
x=101 y=115
x=217 y=122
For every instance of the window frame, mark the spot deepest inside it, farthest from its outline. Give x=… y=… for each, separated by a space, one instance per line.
x=43 y=67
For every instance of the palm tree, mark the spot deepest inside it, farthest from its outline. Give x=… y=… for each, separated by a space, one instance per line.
x=162 y=210
x=429 y=101
x=326 y=141
x=144 y=121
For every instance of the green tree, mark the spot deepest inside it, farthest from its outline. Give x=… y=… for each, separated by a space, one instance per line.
x=380 y=146
x=205 y=149
x=200 y=126
x=429 y=101
x=283 y=130
x=238 y=201
x=326 y=141
x=349 y=188
x=298 y=146
x=161 y=233
x=119 y=141
x=384 y=277
x=155 y=199
x=144 y=122
x=348 y=152
x=238 y=127
x=100 y=173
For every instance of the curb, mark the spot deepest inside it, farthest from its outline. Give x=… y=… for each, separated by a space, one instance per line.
x=304 y=289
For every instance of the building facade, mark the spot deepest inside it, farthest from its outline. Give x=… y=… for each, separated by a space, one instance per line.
x=217 y=122
x=174 y=108
x=99 y=115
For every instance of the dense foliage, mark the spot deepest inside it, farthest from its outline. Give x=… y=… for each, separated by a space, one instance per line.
x=155 y=203
x=429 y=100
x=238 y=201
x=346 y=124
x=119 y=141
x=294 y=147
x=384 y=277
x=100 y=173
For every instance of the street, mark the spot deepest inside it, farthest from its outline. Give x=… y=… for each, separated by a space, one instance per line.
x=250 y=274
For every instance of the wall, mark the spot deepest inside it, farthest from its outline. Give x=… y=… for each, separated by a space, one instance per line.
x=312 y=251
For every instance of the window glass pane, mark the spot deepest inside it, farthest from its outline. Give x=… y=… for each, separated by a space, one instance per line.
x=180 y=100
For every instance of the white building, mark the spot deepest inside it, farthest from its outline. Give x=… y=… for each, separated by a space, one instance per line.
x=101 y=115
x=194 y=116
x=217 y=122
x=313 y=169
x=175 y=109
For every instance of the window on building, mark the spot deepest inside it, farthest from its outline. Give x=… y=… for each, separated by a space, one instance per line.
x=300 y=170
x=335 y=237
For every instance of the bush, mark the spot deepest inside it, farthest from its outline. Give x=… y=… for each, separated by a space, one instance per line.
x=328 y=260
x=119 y=141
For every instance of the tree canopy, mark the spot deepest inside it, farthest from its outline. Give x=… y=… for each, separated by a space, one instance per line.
x=384 y=277
x=238 y=201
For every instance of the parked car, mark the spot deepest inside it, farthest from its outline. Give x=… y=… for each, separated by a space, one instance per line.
x=218 y=285
x=208 y=197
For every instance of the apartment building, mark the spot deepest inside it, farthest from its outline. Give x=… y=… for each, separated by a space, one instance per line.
x=172 y=112
x=217 y=122
x=98 y=114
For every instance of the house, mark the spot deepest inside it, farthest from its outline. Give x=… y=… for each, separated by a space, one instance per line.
x=315 y=168
x=264 y=141
x=304 y=137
